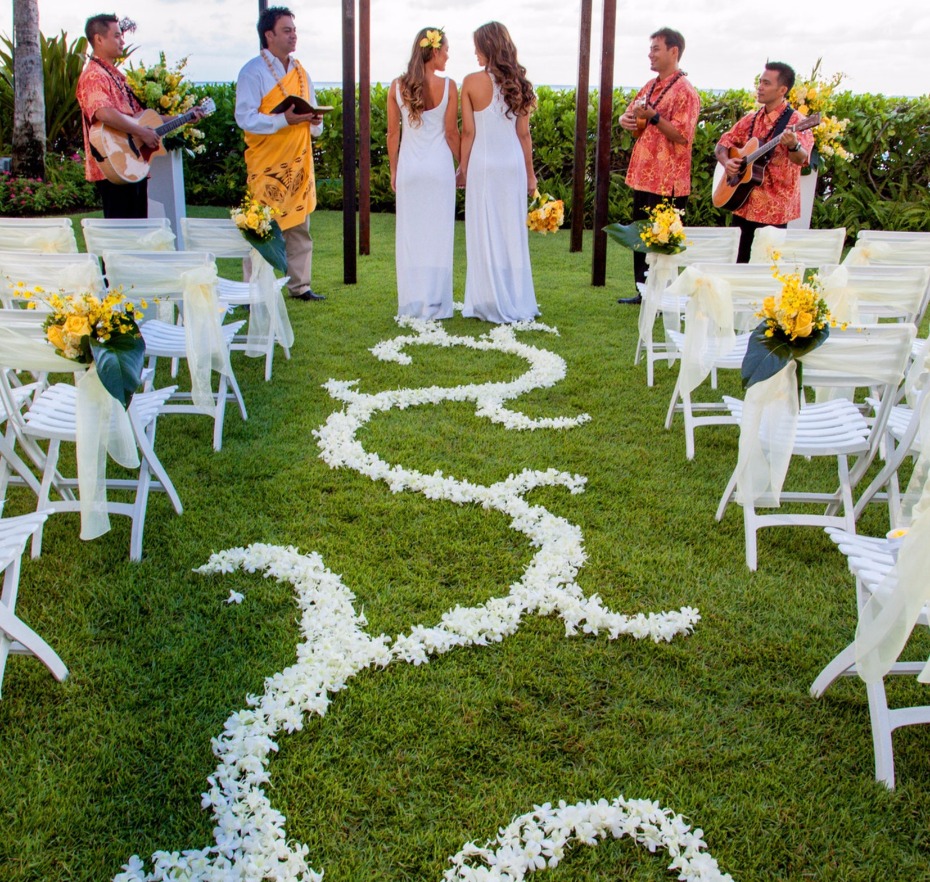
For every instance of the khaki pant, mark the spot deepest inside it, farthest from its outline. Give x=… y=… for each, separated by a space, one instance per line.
x=299 y=247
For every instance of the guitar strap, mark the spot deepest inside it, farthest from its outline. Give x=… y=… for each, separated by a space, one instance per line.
x=780 y=125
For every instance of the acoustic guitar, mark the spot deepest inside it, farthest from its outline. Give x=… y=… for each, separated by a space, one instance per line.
x=731 y=192
x=122 y=160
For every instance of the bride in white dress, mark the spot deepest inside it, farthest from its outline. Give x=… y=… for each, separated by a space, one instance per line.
x=497 y=169
x=423 y=145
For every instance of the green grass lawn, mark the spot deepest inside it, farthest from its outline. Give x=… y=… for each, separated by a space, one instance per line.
x=410 y=763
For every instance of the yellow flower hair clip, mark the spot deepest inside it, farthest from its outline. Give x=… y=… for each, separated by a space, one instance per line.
x=433 y=39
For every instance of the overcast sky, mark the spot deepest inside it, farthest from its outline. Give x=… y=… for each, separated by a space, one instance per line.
x=882 y=47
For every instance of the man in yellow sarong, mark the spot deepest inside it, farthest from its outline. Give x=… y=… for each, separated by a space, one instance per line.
x=279 y=155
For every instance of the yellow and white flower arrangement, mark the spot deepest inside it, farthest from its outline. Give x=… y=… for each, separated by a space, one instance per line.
x=814 y=95
x=257 y=223
x=794 y=322
x=168 y=92
x=661 y=232
x=546 y=214
x=798 y=311
x=255 y=217
x=102 y=331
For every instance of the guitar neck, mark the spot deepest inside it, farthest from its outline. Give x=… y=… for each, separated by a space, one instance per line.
x=175 y=123
x=768 y=146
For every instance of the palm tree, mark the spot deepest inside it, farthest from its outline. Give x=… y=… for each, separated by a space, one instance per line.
x=29 y=100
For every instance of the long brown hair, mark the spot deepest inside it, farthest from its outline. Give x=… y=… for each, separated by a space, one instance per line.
x=493 y=41
x=412 y=84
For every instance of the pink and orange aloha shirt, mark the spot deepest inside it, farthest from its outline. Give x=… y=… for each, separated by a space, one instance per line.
x=102 y=85
x=777 y=199
x=658 y=165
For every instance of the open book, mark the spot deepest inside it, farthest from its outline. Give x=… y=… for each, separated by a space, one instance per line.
x=298 y=105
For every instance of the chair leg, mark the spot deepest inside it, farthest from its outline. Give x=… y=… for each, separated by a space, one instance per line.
x=881 y=733
x=235 y=387
x=145 y=439
x=749 y=529
x=220 y=415
x=842 y=663
x=727 y=496
x=670 y=415
x=51 y=468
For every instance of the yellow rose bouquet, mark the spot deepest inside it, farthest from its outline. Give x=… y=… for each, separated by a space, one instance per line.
x=168 y=92
x=814 y=95
x=661 y=232
x=546 y=214
x=100 y=331
x=794 y=322
x=256 y=222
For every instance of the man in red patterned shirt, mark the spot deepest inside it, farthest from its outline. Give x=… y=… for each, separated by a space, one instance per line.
x=664 y=114
x=105 y=96
x=777 y=199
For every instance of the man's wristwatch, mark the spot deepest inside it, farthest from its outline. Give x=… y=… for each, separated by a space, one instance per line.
x=796 y=149
x=655 y=120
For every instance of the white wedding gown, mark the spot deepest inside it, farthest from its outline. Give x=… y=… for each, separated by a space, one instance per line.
x=425 y=215
x=499 y=282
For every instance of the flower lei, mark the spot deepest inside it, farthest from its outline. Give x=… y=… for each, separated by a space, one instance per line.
x=433 y=39
x=250 y=838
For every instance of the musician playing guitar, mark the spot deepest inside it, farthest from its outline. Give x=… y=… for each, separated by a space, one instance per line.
x=105 y=96
x=662 y=118
x=777 y=199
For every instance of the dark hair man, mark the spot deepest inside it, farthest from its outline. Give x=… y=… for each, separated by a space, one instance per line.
x=663 y=117
x=777 y=199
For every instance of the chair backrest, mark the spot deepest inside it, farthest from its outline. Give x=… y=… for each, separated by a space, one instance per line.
x=24 y=321
x=48 y=235
x=861 y=355
x=55 y=272
x=104 y=235
x=885 y=292
x=709 y=245
x=809 y=248
x=896 y=248
x=220 y=236
x=154 y=273
x=749 y=285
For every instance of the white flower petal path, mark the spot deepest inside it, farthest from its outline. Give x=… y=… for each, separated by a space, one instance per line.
x=250 y=840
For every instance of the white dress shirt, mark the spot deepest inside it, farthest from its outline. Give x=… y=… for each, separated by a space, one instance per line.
x=255 y=81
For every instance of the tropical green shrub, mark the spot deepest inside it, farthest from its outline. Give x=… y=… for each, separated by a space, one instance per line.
x=64 y=189
x=62 y=63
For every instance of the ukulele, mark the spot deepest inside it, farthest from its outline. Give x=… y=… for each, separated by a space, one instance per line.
x=732 y=192
x=122 y=160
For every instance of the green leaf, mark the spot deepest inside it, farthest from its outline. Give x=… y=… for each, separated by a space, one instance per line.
x=628 y=235
x=119 y=364
x=766 y=356
x=271 y=248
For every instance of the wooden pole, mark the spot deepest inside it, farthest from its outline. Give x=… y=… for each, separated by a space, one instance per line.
x=364 y=126
x=349 y=267
x=605 y=110
x=580 y=167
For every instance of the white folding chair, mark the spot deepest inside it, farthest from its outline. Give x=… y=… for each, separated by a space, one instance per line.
x=54 y=272
x=705 y=245
x=808 y=248
x=52 y=418
x=108 y=235
x=892 y=248
x=870 y=560
x=48 y=235
x=163 y=275
x=868 y=294
x=747 y=286
x=872 y=356
x=16 y=637
x=268 y=321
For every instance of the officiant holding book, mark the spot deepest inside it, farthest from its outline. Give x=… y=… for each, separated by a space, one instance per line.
x=276 y=109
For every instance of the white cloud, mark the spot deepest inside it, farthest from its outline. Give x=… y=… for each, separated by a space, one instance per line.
x=726 y=45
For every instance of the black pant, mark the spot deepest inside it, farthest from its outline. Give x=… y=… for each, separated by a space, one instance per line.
x=747 y=233
x=642 y=202
x=124 y=200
